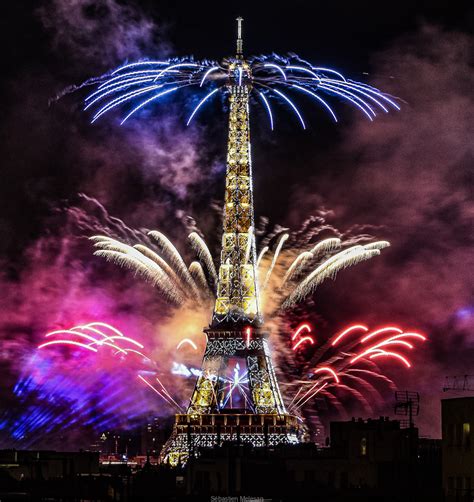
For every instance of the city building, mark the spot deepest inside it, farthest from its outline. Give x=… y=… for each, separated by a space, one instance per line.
x=457 y=418
x=366 y=459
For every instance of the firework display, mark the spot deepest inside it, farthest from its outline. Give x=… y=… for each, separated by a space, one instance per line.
x=135 y=86
x=346 y=361
x=196 y=283
x=237 y=394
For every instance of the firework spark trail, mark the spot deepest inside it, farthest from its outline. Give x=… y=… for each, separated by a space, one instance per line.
x=268 y=107
x=70 y=332
x=396 y=355
x=132 y=264
x=92 y=339
x=96 y=331
x=168 y=395
x=304 y=258
x=328 y=269
x=162 y=264
x=302 y=327
x=363 y=383
x=165 y=390
x=386 y=329
x=175 y=258
x=188 y=341
x=373 y=374
x=299 y=404
x=302 y=340
x=328 y=373
x=67 y=342
x=60 y=395
x=299 y=263
x=360 y=397
x=295 y=397
x=336 y=403
x=103 y=325
x=261 y=255
x=280 y=244
x=199 y=245
x=347 y=331
x=163 y=396
x=173 y=278
x=377 y=245
x=197 y=272
x=250 y=241
x=331 y=365
x=325 y=246
x=116 y=337
x=148 y=263
x=100 y=342
x=162 y=273
x=139 y=267
x=327 y=369
x=138 y=83
x=373 y=349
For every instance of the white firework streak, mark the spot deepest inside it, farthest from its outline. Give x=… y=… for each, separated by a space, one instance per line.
x=171 y=275
x=299 y=263
x=175 y=258
x=262 y=253
x=200 y=247
x=160 y=276
x=325 y=246
x=162 y=263
x=328 y=269
x=198 y=275
x=132 y=263
x=282 y=240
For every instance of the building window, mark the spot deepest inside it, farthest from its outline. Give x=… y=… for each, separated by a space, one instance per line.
x=331 y=479
x=344 y=480
x=449 y=431
x=450 y=485
x=363 y=447
x=466 y=435
x=467 y=484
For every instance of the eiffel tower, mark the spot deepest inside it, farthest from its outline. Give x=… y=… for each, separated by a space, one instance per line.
x=236 y=334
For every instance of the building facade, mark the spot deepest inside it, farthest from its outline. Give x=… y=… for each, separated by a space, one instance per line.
x=457 y=418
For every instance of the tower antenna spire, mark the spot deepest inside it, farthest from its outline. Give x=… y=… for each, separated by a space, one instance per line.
x=239 y=37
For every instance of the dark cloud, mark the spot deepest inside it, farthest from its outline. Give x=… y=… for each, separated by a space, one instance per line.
x=101 y=33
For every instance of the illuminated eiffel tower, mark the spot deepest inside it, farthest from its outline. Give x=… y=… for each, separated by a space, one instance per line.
x=235 y=338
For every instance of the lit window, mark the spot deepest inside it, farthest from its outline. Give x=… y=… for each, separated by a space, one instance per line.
x=466 y=435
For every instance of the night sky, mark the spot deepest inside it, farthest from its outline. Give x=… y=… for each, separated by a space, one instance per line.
x=406 y=178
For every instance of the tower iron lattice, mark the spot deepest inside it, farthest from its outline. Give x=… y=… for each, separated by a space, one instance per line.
x=236 y=332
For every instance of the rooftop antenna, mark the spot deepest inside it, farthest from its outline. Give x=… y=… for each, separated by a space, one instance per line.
x=407 y=403
x=461 y=383
x=239 y=38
